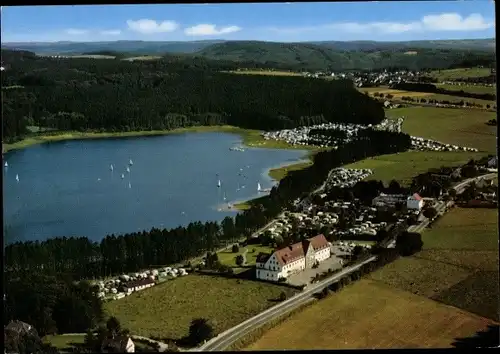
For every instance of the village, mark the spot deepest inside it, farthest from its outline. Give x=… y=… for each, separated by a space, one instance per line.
x=303 y=136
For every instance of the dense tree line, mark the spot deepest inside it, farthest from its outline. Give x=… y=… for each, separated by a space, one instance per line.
x=82 y=258
x=116 y=95
x=51 y=304
x=430 y=88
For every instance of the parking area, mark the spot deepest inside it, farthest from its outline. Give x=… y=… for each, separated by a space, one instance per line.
x=306 y=276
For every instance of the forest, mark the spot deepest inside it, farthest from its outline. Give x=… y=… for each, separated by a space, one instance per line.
x=116 y=95
x=80 y=258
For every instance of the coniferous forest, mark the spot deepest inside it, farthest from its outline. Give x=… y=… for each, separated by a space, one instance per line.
x=115 y=95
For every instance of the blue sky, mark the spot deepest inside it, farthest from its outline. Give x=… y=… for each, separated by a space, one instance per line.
x=391 y=21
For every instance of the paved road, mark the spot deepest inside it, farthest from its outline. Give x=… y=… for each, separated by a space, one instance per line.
x=225 y=339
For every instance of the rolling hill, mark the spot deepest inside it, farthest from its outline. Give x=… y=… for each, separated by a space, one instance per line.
x=330 y=55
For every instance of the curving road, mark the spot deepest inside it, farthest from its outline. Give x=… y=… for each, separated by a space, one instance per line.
x=225 y=339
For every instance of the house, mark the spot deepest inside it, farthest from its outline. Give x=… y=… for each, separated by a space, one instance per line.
x=493 y=162
x=292 y=259
x=119 y=344
x=139 y=284
x=415 y=202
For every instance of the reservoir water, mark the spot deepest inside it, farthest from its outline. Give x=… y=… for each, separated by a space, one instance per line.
x=68 y=189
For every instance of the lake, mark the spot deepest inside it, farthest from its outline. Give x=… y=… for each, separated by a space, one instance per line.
x=68 y=189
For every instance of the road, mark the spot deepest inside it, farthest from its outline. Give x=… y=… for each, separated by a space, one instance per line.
x=225 y=339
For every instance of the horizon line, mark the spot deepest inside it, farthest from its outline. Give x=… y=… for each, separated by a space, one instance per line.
x=250 y=40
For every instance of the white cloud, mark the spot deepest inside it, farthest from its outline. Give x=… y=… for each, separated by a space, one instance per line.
x=111 y=32
x=146 y=26
x=429 y=23
x=76 y=32
x=210 y=30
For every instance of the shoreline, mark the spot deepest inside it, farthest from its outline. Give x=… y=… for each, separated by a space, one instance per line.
x=250 y=138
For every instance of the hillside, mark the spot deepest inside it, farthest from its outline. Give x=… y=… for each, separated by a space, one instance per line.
x=463 y=44
x=321 y=57
x=133 y=47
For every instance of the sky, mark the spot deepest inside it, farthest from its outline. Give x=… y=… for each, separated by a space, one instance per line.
x=286 y=22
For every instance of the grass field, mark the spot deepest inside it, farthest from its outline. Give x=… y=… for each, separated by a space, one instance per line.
x=406 y=165
x=227 y=257
x=462 y=127
x=166 y=310
x=281 y=172
x=367 y=315
x=65 y=343
x=251 y=138
x=456 y=99
x=396 y=93
x=460 y=256
x=444 y=75
x=144 y=57
x=469 y=88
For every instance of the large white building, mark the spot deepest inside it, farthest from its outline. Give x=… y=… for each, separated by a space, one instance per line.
x=415 y=202
x=292 y=259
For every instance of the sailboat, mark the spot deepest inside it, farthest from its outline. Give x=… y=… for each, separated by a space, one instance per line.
x=128 y=169
x=111 y=167
x=6 y=164
x=130 y=162
x=218 y=184
x=129 y=185
x=225 y=196
x=17 y=178
x=123 y=176
x=258 y=187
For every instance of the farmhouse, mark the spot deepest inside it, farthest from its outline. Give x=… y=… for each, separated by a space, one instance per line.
x=121 y=344
x=415 y=202
x=138 y=284
x=292 y=259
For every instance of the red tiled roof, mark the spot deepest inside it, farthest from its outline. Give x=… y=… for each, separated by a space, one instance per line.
x=416 y=196
x=319 y=242
x=299 y=249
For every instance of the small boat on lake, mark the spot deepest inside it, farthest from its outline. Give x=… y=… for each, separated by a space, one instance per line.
x=218 y=184
x=17 y=178
x=130 y=162
x=123 y=176
x=111 y=167
x=128 y=169
x=6 y=164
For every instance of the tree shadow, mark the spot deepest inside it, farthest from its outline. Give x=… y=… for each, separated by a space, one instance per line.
x=483 y=339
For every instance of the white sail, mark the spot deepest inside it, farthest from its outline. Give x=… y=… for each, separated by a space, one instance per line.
x=258 y=187
x=129 y=185
x=111 y=167
x=218 y=184
x=130 y=162
x=123 y=176
x=225 y=196
x=6 y=164
x=128 y=169
x=17 y=178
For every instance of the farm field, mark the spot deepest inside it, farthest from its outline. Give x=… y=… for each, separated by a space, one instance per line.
x=456 y=99
x=463 y=127
x=460 y=256
x=406 y=165
x=449 y=74
x=469 y=88
x=166 y=310
x=369 y=314
x=396 y=93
